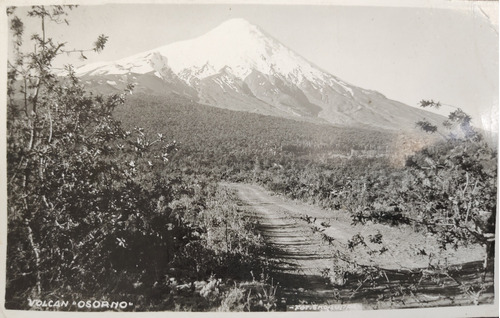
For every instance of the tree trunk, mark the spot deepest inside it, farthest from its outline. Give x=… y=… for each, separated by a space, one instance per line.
x=36 y=252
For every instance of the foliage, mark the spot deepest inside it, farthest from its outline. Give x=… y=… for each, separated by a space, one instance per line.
x=225 y=242
x=81 y=195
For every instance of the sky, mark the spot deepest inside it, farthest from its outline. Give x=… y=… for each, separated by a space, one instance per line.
x=448 y=53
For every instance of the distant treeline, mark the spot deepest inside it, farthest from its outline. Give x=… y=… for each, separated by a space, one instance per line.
x=220 y=139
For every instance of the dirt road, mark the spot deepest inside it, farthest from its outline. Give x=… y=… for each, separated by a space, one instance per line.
x=300 y=252
x=304 y=239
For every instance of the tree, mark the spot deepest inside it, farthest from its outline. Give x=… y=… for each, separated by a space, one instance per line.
x=466 y=167
x=84 y=204
x=449 y=189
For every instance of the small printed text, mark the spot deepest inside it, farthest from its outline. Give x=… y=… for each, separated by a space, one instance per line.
x=82 y=304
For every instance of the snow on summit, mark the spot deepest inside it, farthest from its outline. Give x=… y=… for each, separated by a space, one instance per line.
x=235 y=43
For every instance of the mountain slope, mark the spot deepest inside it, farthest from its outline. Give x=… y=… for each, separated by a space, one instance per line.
x=239 y=67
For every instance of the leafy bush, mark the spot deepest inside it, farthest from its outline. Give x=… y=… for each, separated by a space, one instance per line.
x=82 y=197
x=449 y=189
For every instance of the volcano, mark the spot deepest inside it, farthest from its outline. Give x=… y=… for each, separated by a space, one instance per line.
x=238 y=66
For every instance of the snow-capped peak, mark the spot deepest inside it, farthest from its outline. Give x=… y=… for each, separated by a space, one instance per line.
x=235 y=43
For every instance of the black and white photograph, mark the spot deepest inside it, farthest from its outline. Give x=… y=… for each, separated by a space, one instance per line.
x=197 y=156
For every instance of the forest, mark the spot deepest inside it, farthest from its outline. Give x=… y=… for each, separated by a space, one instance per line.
x=121 y=196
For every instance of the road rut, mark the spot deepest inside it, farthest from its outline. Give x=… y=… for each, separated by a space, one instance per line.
x=300 y=252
